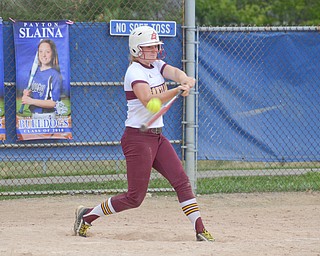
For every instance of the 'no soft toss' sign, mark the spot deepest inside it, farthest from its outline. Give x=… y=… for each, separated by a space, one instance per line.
x=124 y=27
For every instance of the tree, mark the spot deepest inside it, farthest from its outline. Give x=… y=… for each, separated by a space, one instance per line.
x=92 y=10
x=256 y=12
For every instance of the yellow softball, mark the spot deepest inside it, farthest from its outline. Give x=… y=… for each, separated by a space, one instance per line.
x=154 y=105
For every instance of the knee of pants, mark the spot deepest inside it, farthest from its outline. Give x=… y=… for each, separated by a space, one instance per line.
x=184 y=190
x=135 y=200
x=182 y=183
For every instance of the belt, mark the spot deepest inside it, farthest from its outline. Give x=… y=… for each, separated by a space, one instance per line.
x=157 y=130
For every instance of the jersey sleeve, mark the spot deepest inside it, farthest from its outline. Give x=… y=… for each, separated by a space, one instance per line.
x=134 y=75
x=160 y=64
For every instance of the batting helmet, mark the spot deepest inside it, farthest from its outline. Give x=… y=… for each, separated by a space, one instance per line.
x=142 y=36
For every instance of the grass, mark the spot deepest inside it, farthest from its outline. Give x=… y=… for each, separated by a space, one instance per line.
x=205 y=165
x=306 y=182
x=38 y=169
x=1 y=107
x=249 y=184
x=27 y=113
x=309 y=179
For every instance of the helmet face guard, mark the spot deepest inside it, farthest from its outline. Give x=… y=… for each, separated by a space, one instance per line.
x=161 y=52
x=144 y=36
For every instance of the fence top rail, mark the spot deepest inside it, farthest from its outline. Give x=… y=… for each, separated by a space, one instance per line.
x=260 y=29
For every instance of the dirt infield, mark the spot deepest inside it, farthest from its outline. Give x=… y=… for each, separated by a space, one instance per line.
x=243 y=224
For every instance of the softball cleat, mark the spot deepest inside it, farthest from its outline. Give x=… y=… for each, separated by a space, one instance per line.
x=205 y=236
x=80 y=226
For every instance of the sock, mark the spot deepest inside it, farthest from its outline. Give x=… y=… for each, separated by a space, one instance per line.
x=191 y=210
x=102 y=209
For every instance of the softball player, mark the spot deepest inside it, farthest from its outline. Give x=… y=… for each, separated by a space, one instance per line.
x=145 y=79
x=47 y=83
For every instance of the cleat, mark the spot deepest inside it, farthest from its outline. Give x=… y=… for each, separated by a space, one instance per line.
x=205 y=236
x=80 y=226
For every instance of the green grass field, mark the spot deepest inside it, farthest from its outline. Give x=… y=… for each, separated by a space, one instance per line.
x=109 y=170
x=305 y=182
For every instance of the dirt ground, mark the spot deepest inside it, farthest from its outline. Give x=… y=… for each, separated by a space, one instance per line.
x=243 y=225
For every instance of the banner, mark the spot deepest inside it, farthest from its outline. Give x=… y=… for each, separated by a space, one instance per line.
x=42 y=80
x=2 y=109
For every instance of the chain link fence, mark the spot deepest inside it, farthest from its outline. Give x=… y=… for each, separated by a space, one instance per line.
x=234 y=152
x=258 y=114
x=93 y=159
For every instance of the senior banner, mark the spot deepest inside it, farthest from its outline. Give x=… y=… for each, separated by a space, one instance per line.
x=2 y=109
x=42 y=80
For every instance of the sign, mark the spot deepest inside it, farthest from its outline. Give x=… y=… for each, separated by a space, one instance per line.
x=124 y=27
x=2 y=108
x=42 y=80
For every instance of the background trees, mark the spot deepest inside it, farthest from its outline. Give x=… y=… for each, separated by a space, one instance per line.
x=257 y=12
x=91 y=10
x=208 y=12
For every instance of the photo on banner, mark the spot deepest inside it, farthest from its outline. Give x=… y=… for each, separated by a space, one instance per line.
x=2 y=108
x=43 y=108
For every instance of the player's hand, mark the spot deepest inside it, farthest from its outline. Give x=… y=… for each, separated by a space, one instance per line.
x=26 y=92
x=26 y=100
x=186 y=85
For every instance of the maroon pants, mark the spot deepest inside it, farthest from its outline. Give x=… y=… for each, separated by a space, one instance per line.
x=144 y=150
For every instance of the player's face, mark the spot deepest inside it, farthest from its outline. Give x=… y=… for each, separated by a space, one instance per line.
x=150 y=53
x=45 y=54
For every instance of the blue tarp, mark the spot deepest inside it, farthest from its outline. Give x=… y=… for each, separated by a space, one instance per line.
x=259 y=96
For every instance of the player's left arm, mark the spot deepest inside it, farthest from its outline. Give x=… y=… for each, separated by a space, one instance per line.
x=39 y=103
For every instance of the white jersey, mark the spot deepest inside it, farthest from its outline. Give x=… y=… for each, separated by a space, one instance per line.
x=137 y=113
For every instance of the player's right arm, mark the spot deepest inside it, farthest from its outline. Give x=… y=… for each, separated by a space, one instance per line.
x=179 y=76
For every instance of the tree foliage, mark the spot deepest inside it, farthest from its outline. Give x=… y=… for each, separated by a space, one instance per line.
x=256 y=12
x=91 y=10
x=208 y=12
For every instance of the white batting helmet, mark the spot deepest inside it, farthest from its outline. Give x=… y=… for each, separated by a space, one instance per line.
x=142 y=36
